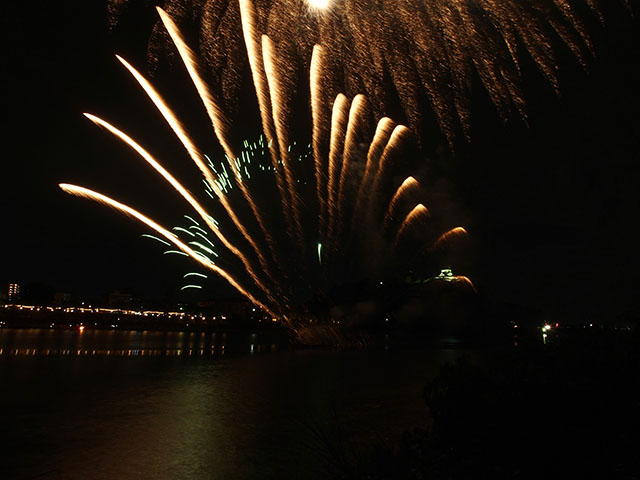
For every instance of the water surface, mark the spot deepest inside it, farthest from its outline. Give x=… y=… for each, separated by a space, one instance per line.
x=105 y=404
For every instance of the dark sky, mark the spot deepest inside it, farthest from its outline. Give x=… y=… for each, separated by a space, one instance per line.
x=552 y=207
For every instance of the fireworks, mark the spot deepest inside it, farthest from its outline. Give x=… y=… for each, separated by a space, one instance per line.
x=319 y=4
x=404 y=55
x=198 y=257
x=342 y=210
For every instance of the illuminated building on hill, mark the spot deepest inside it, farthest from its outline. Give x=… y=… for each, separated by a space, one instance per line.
x=445 y=274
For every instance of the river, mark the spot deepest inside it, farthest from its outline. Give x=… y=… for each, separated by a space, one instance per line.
x=107 y=404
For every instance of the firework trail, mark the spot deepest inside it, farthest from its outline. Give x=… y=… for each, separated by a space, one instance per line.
x=282 y=134
x=352 y=191
x=448 y=237
x=399 y=136
x=253 y=44
x=419 y=213
x=318 y=133
x=398 y=53
x=339 y=120
x=409 y=184
x=187 y=55
x=352 y=159
x=376 y=148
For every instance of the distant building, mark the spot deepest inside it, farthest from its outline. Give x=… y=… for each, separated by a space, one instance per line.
x=232 y=308
x=62 y=299
x=14 y=292
x=120 y=300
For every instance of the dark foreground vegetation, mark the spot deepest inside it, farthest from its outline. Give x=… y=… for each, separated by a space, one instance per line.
x=564 y=410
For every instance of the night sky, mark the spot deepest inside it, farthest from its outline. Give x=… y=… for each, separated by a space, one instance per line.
x=552 y=206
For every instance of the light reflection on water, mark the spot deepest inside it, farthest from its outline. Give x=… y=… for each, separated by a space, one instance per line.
x=198 y=416
x=50 y=342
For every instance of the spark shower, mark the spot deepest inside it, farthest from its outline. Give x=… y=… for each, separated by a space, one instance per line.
x=287 y=222
x=409 y=57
